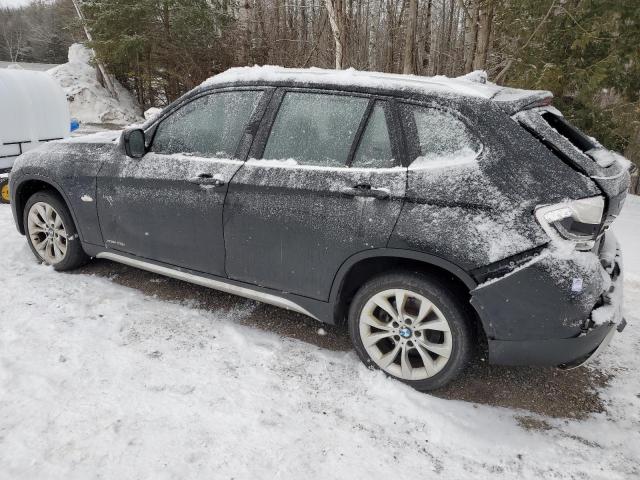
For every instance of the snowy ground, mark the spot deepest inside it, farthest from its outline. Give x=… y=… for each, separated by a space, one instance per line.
x=101 y=380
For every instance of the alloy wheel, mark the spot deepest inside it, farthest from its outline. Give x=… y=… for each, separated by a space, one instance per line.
x=405 y=334
x=47 y=233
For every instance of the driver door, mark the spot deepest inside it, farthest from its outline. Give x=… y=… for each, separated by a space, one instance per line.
x=167 y=206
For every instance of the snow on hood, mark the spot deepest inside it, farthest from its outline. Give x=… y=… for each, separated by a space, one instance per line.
x=112 y=136
x=88 y=100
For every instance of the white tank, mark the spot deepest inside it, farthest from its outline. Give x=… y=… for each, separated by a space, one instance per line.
x=33 y=109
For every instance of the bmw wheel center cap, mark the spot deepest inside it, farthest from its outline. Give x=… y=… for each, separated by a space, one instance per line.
x=405 y=332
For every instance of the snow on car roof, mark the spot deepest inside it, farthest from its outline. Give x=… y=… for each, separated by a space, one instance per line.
x=470 y=85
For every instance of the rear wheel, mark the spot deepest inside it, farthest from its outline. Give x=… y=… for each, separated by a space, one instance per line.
x=51 y=232
x=412 y=327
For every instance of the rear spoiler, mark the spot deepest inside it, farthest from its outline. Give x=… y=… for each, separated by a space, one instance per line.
x=514 y=100
x=511 y=100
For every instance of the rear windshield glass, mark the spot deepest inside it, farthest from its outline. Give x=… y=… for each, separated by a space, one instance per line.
x=579 y=140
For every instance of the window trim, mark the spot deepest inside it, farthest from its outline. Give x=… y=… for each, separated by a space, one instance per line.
x=393 y=122
x=368 y=115
x=411 y=130
x=252 y=124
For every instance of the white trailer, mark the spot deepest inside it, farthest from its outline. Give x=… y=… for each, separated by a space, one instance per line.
x=33 y=110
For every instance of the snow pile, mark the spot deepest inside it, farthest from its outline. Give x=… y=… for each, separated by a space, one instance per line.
x=88 y=100
x=478 y=76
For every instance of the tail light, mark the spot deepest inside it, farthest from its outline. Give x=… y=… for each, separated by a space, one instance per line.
x=577 y=221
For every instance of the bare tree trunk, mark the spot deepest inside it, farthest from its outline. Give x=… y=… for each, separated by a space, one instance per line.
x=470 y=34
x=103 y=71
x=410 y=38
x=335 y=9
x=485 y=16
x=428 y=48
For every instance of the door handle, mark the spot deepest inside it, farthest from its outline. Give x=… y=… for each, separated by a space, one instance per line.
x=208 y=179
x=365 y=190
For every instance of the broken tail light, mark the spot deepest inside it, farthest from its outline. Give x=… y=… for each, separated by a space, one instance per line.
x=576 y=221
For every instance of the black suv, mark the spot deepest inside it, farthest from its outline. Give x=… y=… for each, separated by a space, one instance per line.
x=431 y=215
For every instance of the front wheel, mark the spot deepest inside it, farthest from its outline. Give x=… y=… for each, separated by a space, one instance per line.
x=412 y=327
x=51 y=232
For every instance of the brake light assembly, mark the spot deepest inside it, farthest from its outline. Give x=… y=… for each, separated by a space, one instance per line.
x=575 y=221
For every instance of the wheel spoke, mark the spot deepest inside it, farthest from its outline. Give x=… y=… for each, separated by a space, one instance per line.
x=62 y=248
x=372 y=321
x=427 y=361
x=405 y=364
x=441 y=349
x=57 y=253
x=375 y=338
x=388 y=358
x=384 y=304
x=50 y=214
x=438 y=324
x=425 y=308
x=42 y=213
x=57 y=224
x=38 y=244
x=401 y=299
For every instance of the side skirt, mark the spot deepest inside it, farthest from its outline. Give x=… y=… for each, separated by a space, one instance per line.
x=208 y=282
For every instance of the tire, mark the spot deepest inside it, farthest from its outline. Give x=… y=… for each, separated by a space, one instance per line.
x=51 y=233
x=435 y=324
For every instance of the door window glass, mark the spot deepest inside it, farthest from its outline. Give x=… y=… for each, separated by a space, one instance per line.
x=210 y=126
x=442 y=138
x=374 y=150
x=315 y=129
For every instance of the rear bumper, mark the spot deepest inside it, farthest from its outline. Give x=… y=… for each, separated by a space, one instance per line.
x=562 y=352
x=558 y=310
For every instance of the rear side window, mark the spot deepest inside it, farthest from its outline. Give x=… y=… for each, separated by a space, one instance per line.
x=374 y=149
x=210 y=126
x=315 y=129
x=440 y=137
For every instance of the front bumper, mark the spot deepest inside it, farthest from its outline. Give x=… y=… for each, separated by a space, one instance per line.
x=558 y=310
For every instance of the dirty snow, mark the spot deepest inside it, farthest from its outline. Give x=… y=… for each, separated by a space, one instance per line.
x=88 y=100
x=99 y=380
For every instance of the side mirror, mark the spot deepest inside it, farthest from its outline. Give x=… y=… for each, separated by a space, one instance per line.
x=134 y=143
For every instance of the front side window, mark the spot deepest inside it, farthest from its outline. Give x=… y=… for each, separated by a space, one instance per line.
x=442 y=138
x=315 y=129
x=210 y=126
x=374 y=150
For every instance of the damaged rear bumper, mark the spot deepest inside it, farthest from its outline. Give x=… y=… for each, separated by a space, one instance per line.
x=557 y=310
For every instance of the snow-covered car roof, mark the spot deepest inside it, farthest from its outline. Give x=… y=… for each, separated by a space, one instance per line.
x=471 y=85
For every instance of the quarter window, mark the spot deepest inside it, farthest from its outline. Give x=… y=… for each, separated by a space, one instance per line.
x=315 y=129
x=374 y=150
x=210 y=126
x=441 y=137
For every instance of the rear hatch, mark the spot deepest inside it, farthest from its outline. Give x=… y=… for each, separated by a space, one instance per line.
x=609 y=170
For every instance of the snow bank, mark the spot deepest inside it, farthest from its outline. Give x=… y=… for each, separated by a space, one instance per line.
x=99 y=380
x=88 y=100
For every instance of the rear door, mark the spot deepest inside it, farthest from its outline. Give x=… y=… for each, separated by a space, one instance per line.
x=167 y=206
x=324 y=182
